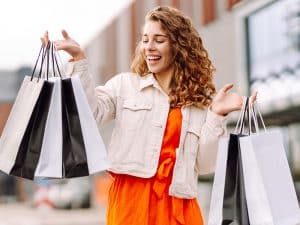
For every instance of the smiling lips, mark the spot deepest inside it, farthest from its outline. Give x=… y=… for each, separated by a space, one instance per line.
x=152 y=59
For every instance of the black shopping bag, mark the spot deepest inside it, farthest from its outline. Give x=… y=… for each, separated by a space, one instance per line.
x=234 y=203
x=30 y=147
x=74 y=153
x=228 y=201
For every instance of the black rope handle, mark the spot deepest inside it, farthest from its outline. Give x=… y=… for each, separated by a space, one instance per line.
x=52 y=56
x=45 y=50
x=54 y=61
x=48 y=61
x=45 y=53
x=41 y=57
x=246 y=111
x=37 y=60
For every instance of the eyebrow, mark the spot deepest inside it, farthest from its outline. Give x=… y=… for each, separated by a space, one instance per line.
x=156 y=35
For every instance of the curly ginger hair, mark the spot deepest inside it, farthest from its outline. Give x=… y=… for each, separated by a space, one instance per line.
x=192 y=81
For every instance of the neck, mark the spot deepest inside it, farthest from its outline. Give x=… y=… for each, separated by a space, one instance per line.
x=164 y=81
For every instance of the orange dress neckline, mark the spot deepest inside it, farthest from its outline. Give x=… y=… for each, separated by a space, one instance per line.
x=146 y=201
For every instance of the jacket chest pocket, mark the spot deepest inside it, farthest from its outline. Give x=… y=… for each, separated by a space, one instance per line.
x=135 y=113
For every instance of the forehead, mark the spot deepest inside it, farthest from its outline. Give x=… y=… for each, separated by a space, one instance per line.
x=152 y=28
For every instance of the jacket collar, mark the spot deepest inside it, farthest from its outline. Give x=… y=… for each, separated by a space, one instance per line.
x=148 y=80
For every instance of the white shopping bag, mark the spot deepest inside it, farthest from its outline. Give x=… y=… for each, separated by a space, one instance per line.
x=94 y=146
x=217 y=196
x=257 y=203
x=17 y=121
x=277 y=181
x=50 y=161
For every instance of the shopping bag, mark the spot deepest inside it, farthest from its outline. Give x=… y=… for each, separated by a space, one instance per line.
x=266 y=166
x=94 y=145
x=234 y=204
x=258 y=206
x=74 y=151
x=59 y=137
x=50 y=161
x=19 y=116
x=228 y=202
x=90 y=154
x=269 y=191
x=31 y=143
x=271 y=162
x=217 y=196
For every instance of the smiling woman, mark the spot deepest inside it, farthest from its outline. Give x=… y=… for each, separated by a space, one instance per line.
x=171 y=44
x=168 y=120
x=157 y=52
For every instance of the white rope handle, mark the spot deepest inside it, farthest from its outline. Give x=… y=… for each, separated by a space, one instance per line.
x=241 y=116
x=254 y=111
x=45 y=72
x=255 y=106
x=60 y=62
x=252 y=117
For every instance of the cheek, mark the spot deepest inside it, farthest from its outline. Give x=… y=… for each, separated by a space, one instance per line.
x=168 y=53
x=169 y=57
x=142 y=51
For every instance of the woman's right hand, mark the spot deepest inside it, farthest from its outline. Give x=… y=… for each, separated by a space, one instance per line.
x=68 y=45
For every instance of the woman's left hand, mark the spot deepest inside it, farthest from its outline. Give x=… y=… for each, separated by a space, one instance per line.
x=225 y=102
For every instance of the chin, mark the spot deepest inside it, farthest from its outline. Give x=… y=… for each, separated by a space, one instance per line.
x=154 y=70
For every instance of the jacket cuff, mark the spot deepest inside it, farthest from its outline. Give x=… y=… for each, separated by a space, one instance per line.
x=76 y=66
x=216 y=122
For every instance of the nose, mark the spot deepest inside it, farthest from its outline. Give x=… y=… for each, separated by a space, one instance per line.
x=150 y=45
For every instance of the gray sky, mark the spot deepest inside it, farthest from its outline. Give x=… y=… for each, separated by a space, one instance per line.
x=22 y=23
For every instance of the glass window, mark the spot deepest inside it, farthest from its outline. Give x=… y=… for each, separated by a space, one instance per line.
x=273 y=41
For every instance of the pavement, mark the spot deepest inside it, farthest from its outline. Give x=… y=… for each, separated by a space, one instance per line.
x=24 y=214
x=15 y=213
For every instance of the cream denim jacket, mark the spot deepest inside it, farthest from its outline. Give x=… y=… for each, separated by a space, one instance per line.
x=140 y=109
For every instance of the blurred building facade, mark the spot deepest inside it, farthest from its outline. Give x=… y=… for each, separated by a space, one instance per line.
x=10 y=80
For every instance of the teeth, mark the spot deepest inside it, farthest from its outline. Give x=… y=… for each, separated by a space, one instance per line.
x=153 y=57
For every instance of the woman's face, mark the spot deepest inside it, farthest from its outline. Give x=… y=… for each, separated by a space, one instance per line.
x=156 y=48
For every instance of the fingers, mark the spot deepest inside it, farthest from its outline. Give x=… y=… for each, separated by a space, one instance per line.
x=65 y=34
x=45 y=38
x=59 y=45
x=226 y=87
x=253 y=98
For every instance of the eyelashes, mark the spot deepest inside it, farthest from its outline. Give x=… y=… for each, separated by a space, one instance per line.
x=157 y=41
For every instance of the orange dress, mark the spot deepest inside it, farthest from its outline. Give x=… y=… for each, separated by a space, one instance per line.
x=145 y=201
